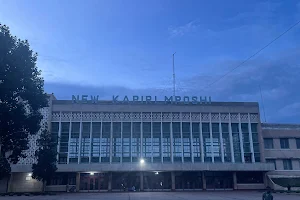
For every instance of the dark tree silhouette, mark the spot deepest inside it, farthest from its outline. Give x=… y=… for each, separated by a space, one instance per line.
x=45 y=167
x=21 y=98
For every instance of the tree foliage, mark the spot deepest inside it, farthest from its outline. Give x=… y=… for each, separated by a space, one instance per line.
x=21 y=96
x=46 y=153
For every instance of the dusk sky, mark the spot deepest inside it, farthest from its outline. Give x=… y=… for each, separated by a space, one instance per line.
x=115 y=47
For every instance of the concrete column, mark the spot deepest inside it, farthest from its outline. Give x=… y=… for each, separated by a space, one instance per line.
x=221 y=138
x=141 y=181
x=70 y=129
x=77 y=181
x=10 y=183
x=173 y=180
x=131 y=130
x=141 y=137
x=80 y=138
x=91 y=131
x=203 y=181
x=265 y=179
x=101 y=140
x=251 y=139
x=67 y=186
x=241 y=139
x=182 y=154
x=211 y=139
x=111 y=141
x=121 y=159
x=171 y=139
x=231 y=140
x=161 y=141
x=201 y=140
x=151 y=139
x=59 y=136
x=234 y=181
x=191 y=138
x=109 y=181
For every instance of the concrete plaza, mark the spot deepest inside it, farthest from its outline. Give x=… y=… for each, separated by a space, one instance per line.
x=209 y=195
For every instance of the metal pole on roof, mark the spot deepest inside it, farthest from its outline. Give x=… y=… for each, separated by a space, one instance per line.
x=174 y=83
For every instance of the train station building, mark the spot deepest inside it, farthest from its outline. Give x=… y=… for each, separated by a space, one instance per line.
x=169 y=145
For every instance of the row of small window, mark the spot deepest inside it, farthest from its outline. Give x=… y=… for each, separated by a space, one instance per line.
x=284 y=143
x=127 y=128
x=287 y=164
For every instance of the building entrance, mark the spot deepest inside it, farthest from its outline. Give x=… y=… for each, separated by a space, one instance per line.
x=188 y=180
x=125 y=181
x=94 y=182
x=219 y=180
x=157 y=181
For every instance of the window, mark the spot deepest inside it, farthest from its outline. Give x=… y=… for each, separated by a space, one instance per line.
x=85 y=142
x=126 y=141
x=246 y=143
x=255 y=142
x=156 y=141
x=206 y=142
x=54 y=131
x=268 y=142
x=95 y=148
x=216 y=142
x=63 y=143
x=284 y=143
x=226 y=142
x=287 y=164
x=147 y=142
x=105 y=142
x=298 y=143
x=236 y=142
x=166 y=140
x=74 y=142
x=186 y=139
x=196 y=142
x=56 y=180
x=116 y=142
x=272 y=161
x=177 y=148
x=136 y=141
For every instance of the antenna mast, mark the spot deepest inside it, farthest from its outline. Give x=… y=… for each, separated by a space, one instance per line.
x=173 y=78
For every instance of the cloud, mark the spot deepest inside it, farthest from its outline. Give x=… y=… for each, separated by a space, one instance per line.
x=98 y=74
x=290 y=110
x=183 y=29
x=277 y=78
x=260 y=12
x=64 y=91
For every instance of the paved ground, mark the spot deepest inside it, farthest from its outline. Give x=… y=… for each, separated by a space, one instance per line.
x=216 y=195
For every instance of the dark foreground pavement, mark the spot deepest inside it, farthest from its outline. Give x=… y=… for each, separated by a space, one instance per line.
x=208 y=195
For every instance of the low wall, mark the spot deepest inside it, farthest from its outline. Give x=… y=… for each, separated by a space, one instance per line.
x=58 y=188
x=250 y=186
x=21 y=182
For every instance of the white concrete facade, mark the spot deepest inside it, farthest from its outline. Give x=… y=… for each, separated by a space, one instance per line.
x=171 y=138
